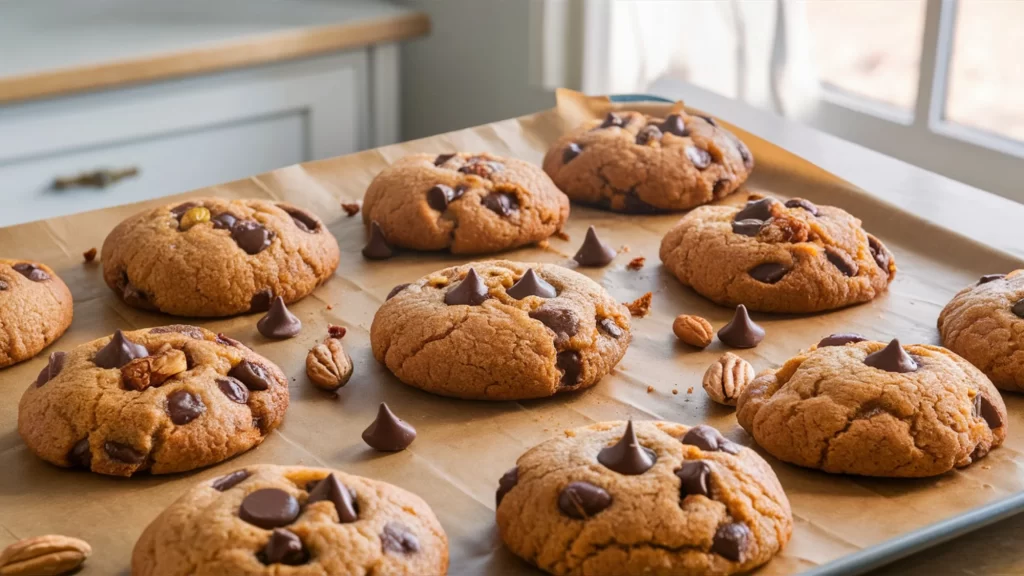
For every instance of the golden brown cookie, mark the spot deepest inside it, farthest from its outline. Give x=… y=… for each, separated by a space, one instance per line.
x=778 y=257
x=466 y=203
x=984 y=323
x=630 y=162
x=213 y=257
x=670 y=499
x=852 y=406
x=165 y=399
x=294 y=520
x=500 y=330
x=35 y=309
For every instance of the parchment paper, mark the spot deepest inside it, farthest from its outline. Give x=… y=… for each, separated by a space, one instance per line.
x=463 y=447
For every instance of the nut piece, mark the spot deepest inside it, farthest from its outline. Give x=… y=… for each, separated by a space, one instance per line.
x=43 y=556
x=725 y=380
x=693 y=330
x=195 y=215
x=142 y=373
x=641 y=306
x=328 y=365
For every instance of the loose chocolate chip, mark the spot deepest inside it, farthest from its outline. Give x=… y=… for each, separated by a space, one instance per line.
x=233 y=389
x=562 y=321
x=118 y=352
x=647 y=134
x=741 y=331
x=627 y=456
x=251 y=374
x=52 y=368
x=571 y=152
x=279 y=321
x=184 y=407
x=612 y=119
x=695 y=478
x=4 y=285
x=710 y=120
x=748 y=160
x=231 y=480
x=81 y=454
x=394 y=291
x=31 y=271
x=123 y=453
x=840 y=340
x=709 y=439
x=840 y=260
x=284 y=547
x=986 y=409
x=180 y=209
x=801 y=203
x=388 y=433
x=1018 y=308
x=698 y=156
x=990 y=278
x=594 y=252
x=303 y=220
x=251 y=236
x=731 y=541
x=224 y=221
x=501 y=203
x=260 y=301
x=396 y=537
x=190 y=331
x=332 y=490
x=582 y=500
x=569 y=362
x=610 y=327
x=470 y=292
x=269 y=508
x=507 y=482
x=377 y=248
x=769 y=273
x=892 y=358
x=439 y=196
x=748 y=227
x=136 y=298
x=879 y=253
x=531 y=285
x=442 y=158
x=756 y=209
x=674 y=124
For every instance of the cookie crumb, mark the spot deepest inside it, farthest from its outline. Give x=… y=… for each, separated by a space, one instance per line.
x=89 y=254
x=755 y=196
x=636 y=263
x=336 y=331
x=650 y=389
x=689 y=390
x=562 y=235
x=330 y=306
x=674 y=391
x=641 y=306
x=350 y=208
x=438 y=281
x=570 y=433
x=624 y=249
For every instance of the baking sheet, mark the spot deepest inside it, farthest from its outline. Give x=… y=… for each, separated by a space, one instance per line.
x=463 y=447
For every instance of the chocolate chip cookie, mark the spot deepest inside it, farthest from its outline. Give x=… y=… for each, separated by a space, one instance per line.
x=264 y=520
x=773 y=256
x=500 y=330
x=984 y=323
x=35 y=309
x=465 y=203
x=620 y=498
x=853 y=406
x=213 y=257
x=631 y=162
x=163 y=400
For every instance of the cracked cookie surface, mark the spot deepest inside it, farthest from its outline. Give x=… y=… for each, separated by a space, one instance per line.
x=516 y=335
x=634 y=163
x=984 y=323
x=705 y=506
x=35 y=309
x=465 y=203
x=830 y=410
x=163 y=400
x=211 y=257
x=771 y=256
x=225 y=526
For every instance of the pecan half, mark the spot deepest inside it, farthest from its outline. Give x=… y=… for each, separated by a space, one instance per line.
x=328 y=365
x=50 y=554
x=726 y=379
x=693 y=330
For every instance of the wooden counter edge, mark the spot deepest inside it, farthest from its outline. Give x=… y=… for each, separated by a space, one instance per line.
x=238 y=53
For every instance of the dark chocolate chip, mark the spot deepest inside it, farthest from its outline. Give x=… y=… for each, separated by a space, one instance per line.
x=1018 y=308
x=501 y=203
x=571 y=365
x=81 y=454
x=741 y=331
x=801 y=203
x=506 y=483
x=394 y=291
x=879 y=253
x=52 y=368
x=118 y=352
x=229 y=481
x=224 y=221
x=439 y=196
x=531 y=285
x=695 y=478
x=180 y=209
x=123 y=453
x=582 y=500
x=748 y=159
x=756 y=209
x=571 y=152
x=251 y=236
x=31 y=271
x=769 y=272
x=842 y=261
x=627 y=456
x=136 y=298
x=612 y=119
x=284 y=547
x=260 y=301
x=698 y=156
x=279 y=321
x=840 y=340
x=388 y=433
x=609 y=327
x=269 y=508
x=731 y=541
x=748 y=227
x=594 y=252
x=674 y=124
x=986 y=409
x=303 y=220
x=332 y=490
x=442 y=158
x=721 y=187
x=470 y=292
x=377 y=248
x=562 y=321
x=632 y=204
x=184 y=407
x=647 y=134
x=990 y=278
x=190 y=331
x=710 y=120
x=251 y=374
x=397 y=538
x=226 y=340
x=892 y=358
x=233 y=389
x=4 y=285
x=709 y=439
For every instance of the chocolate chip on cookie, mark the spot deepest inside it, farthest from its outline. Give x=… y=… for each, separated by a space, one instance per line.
x=303 y=220
x=331 y=490
x=471 y=291
x=801 y=203
x=674 y=124
x=731 y=541
x=251 y=236
x=279 y=321
x=694 y=477
x=612 y=120
x=506 y=483
x=748 y=227
x=119 y=351
x=594 y=252
x=251 y=374
x=531 y=285
x=741 y=331
x=627 y=456
x=990 y=278
x=230 y=481
x=284 y=547
x=397 y=538
x=707 y=438
x=394 y=291
x=53 y=367
x=388 y=433
x=582 y=500
x=892 y=358
x=269 y=508
x=648 y=134
x=840 y=340
x=31 y=271
x=377 y=247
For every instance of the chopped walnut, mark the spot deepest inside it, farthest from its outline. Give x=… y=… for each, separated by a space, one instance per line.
x=141 y=373
x=641 y=306
x=335 y=331
x=350 y=208
x=636 y=263
x=784 y=228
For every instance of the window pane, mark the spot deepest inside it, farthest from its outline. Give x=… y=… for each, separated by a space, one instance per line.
x=986 y=77
x=869 y=48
